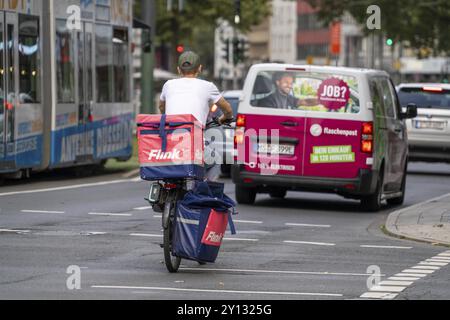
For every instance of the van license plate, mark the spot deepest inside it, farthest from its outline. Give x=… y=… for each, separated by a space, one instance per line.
x=283 y=149
x=438 y=125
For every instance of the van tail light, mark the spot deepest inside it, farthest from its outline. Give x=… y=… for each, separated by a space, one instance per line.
x=239 y=135
x=367 y=138
x=240 y=121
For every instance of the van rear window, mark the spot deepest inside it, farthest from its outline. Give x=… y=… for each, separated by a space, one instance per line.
x=317 y=92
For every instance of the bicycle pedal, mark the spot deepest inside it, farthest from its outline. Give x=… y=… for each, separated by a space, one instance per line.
x=162 y=246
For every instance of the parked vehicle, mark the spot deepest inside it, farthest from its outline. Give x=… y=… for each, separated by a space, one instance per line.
x=429 y=133
x=321 y=129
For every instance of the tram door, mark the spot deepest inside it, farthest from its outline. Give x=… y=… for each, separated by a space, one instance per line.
x=8 y=87
x=85 y=88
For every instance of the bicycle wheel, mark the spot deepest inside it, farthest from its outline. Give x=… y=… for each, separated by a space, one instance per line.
x=172 y=263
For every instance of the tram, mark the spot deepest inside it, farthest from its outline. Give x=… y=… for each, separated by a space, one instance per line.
x=65 y=84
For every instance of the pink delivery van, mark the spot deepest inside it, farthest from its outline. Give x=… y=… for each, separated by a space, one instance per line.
x=321 y=129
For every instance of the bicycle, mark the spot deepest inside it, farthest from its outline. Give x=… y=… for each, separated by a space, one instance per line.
x=164 y=196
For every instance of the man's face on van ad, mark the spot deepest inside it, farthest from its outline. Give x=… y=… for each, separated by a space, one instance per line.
x=285 y=85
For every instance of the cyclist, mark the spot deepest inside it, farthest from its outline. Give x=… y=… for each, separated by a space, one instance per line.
x=191 y=95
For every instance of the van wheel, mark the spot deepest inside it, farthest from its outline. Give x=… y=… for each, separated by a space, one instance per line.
x=372 y=203
x=278 y=194
x=400 y=200
x=245 y=195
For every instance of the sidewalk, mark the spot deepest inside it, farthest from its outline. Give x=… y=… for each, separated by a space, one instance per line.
x=427 y=221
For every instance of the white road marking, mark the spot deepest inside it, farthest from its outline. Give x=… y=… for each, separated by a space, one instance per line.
x=220 y=291
x=157 y=216
x=279 y=272
x=110 y=214
x=404 y=278
x=379 y=295
x=248 y=221
x=308 y=225
x=426 y=267
x=418 y=271
x=79 y=186
x=387 y=289
x=433 y=263
x=142 y=208
x=311 y=243
x=416 y=275
x=444 y=254
x=396 y=283
x=13 y=231
x=385 y=247
x=146 y=235
x=240 y=239
x=42 y=211
x=441 y=259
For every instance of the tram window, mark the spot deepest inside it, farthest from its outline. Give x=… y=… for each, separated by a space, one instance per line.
x=29 y=59
x=104 y=63
x=65 y=63
x=121 y=65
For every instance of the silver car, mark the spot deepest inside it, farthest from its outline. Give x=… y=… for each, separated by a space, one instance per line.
x=226 y=145
x=429 y=133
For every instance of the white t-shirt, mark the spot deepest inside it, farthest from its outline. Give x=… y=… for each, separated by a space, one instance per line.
x=190 y=96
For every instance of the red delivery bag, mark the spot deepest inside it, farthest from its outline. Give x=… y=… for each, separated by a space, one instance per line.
x=170 y=147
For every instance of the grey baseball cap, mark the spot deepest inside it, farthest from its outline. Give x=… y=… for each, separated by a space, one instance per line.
x=189 y=61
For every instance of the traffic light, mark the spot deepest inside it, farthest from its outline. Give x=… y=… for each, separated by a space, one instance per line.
x=180 y=48
x=390 y=42
x=225 y=53
x=239 y=50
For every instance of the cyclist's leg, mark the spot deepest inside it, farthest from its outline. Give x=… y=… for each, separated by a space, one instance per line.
x=212 y=169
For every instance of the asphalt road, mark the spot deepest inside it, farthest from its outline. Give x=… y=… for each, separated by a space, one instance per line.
x=309 y=246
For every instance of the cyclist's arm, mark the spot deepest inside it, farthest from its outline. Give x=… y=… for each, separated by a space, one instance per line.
x=162 y=107
x=226 y=109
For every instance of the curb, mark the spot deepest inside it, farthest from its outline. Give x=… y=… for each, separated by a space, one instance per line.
x=392 y=230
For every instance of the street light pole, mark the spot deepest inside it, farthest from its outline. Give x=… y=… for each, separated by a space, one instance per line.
x=148 y=58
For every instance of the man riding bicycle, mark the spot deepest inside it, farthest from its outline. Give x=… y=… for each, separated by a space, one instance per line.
x=191 y=95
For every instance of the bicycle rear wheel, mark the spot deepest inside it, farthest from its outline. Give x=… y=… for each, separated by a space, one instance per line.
x=172 y=263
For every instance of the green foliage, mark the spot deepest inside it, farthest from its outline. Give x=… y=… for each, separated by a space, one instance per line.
x=195 y=25
x=421 y=24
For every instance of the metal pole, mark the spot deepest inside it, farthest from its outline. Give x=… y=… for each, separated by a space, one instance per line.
x=148 y=59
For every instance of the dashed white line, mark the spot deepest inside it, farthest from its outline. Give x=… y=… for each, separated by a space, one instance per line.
x=143 y=208
x=308 y=225
x=146 y=235
x=310 y=243
x=14 y=231
x=220 y=291
x=248 y=221
x=42 y=211
x=385 y=247
x=441 y=259
x=80 y=186
x=241 y=239
x=110 y=214
x=279 y=272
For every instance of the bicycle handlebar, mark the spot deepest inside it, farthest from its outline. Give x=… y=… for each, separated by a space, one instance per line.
x=215 y=123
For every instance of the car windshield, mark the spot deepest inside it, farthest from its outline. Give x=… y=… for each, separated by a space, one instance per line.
x=319 y=92
x=425 y=98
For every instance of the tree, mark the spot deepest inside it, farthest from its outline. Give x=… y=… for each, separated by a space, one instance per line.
x=420 y=24
x=194 y=26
